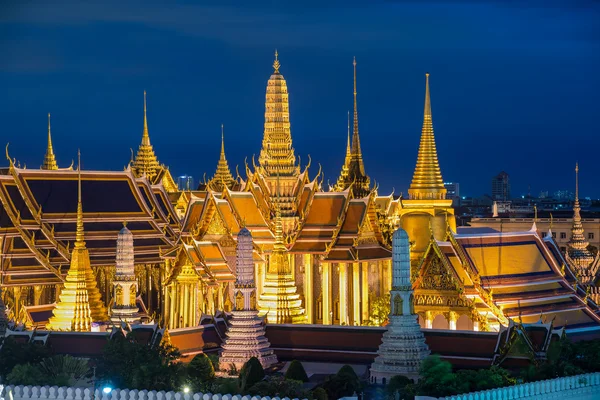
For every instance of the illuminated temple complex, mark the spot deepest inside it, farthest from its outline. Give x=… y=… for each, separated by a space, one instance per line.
x=321 y=255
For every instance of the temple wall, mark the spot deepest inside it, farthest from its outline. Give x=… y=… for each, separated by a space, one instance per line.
x=578 y=387
x=72 y=393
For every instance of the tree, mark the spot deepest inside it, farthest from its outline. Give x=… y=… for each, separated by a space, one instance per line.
x=27 y=374
x=401 y=384
x=127 y=363
x=344 y=383
x=251 y=373
x=380 y=310
x=278 y=386
x=437 y=379
x=296 y=372
x=319 y=394
x=64 y=370
x=200 y=371
x=14 y=353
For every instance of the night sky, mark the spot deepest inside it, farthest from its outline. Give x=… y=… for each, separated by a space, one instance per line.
x=514 y=88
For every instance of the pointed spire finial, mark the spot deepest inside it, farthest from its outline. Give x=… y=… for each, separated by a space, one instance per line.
x=577 y=181
x=348 y=145
x=145 y=135
x=355 y=138
x=222 y=142
x=79 y=242
x=49 y=158
x=427 y=180
x=276 y=64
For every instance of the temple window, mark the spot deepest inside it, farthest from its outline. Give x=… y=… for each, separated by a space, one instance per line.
x=554 y=235
x=563 y=235
x=590 y=235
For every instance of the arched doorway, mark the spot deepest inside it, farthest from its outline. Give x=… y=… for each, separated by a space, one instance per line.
x=440 y=322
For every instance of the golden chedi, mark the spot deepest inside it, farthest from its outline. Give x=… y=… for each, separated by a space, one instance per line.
x=79 y=302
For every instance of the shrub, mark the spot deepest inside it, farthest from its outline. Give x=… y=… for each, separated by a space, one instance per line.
x=296 y=372
x=27 y=374
x=201 y=368
x=319 y=394
x=400 y=384
x=344 y=383
x=252 y=372
x=278 y=386
x=14 y=353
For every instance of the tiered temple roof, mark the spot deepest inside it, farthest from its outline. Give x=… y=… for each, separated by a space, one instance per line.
x=222 y=178
x=38 y=220
x=505 y=276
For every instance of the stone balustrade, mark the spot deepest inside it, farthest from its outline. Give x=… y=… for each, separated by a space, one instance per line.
x=72 y=393
x=578 y=387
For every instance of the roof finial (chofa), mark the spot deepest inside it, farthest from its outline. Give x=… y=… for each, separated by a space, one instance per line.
x=276 y=64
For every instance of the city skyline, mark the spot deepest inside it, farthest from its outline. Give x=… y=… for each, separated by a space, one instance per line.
x=198 y=79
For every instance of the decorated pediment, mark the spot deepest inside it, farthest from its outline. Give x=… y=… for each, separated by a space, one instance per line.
x=437 y=275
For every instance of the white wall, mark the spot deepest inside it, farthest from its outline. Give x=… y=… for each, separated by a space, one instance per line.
x=70 y=393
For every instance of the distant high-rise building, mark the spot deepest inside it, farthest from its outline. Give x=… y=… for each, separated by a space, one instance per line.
x=453 y=189
x=185 y=182
x=501 y=187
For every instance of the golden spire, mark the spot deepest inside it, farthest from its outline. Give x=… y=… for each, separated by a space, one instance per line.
x=145 y=161
x=276 y=63
x=353 y=170
x=223 y=177
x=277 y=154
x=49 y=158
x=578 y=251
x=79 y=239
x=427 y=180
x=348 y=151
x=79 y=302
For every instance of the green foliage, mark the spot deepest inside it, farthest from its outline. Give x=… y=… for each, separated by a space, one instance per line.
x=14 y=353
x=401 y=384
x=319 y=394
x=225 y=386
x=214 y=359
x=27 y=374
x=438 y=380
x=278 y=386
x=296 y=372
x=565 y=358
x=252 y=372
x=380 y=310
x=344 y=383
x=64 y=370
x=127 y=363
x=200 y=373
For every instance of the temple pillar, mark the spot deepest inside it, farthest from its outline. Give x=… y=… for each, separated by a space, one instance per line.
x=428 y=320
x=365 y=290
x=167 y=307
x=476 y=326
x=308 y=288
x=326 y=288
x=37 y=294
x=186 y=304
x=181 y=306
x=343 y=296
x=452 y=320
x=356 y=293
x=381 y=275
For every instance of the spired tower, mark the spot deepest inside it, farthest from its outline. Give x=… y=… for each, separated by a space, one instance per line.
x=125 y=285
x=578 y=252
x=353 y=170
x=49 y=158
x=280 y=300
x=79 y=302
x=427 y=205
x=246 y=333
x=403 y=345
x=145 y=160
x=277 y=162
x=222 y=177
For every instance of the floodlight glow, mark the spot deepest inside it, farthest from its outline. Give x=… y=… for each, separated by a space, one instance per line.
x=186 y=389
x=107 y=390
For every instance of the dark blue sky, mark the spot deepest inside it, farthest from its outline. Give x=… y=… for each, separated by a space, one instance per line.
x=514 y=88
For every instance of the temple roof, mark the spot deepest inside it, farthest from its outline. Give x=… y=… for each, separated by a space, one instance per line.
x=40 y=211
